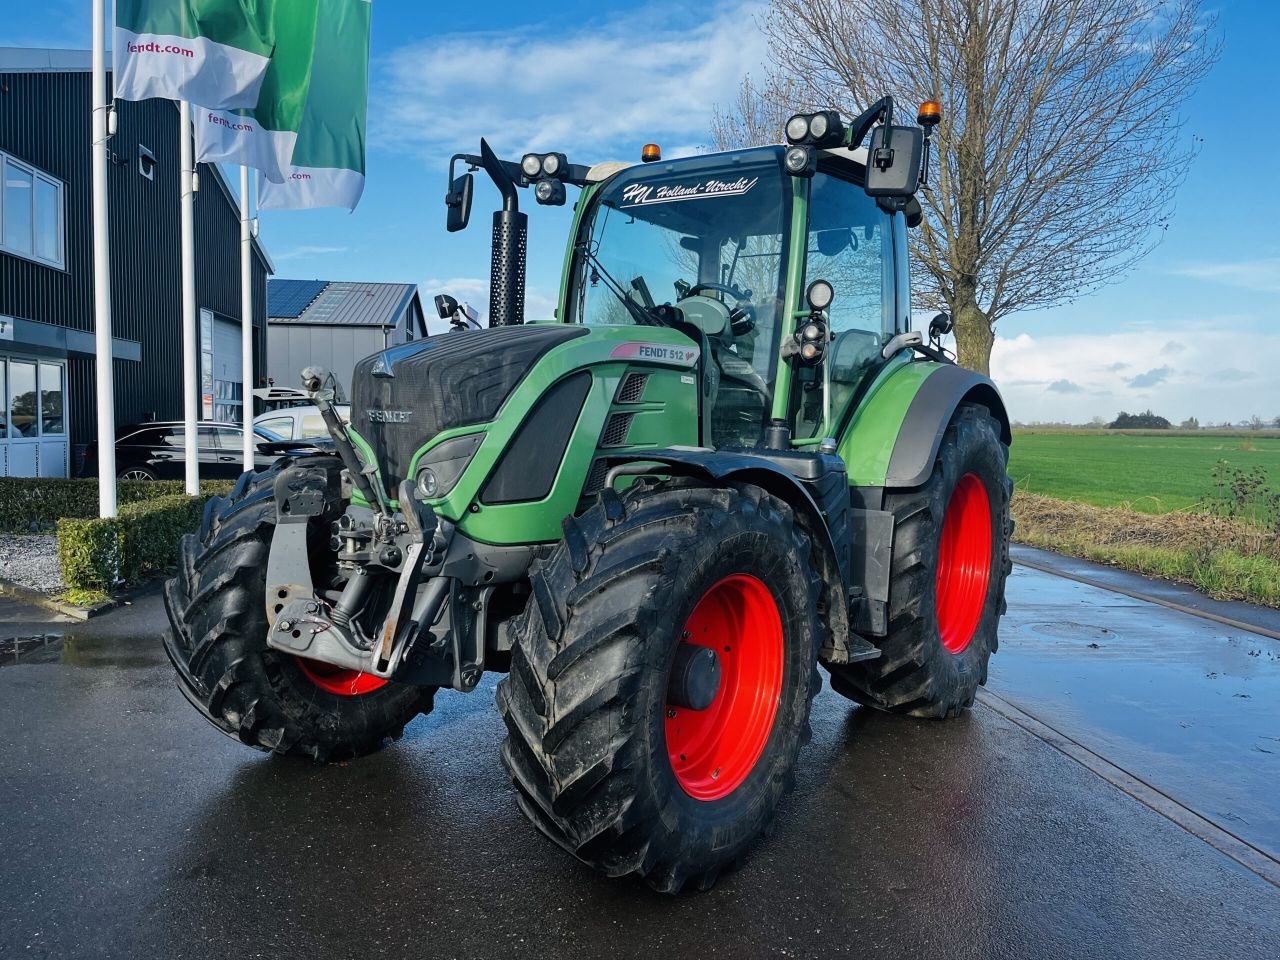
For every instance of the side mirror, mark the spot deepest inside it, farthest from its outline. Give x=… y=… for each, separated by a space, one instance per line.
x=893 y=161
x=458 y=200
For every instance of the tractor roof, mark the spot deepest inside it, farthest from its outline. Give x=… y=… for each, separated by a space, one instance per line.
x=600 y=172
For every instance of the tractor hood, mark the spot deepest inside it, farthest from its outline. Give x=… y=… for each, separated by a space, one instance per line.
x=402 y=397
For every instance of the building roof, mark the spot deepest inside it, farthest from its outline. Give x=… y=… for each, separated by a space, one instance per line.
x=39 y=60
x=338 y=303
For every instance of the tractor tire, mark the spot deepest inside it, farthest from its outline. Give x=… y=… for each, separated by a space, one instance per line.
x=603 y=762
x=217 y=642
x=947 y=579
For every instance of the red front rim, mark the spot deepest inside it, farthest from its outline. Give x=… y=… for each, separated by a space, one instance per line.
x=339 y=680
x=964 y=563
x=712 y=751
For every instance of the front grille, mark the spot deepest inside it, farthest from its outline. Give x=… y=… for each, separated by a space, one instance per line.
x=632 y=388
x=615 y=430
x=450 y=380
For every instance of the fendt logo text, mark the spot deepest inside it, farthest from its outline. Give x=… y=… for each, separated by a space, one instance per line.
x=388 y=416
x=160 y=48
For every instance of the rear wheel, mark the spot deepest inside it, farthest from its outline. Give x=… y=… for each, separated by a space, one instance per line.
x=661 y=680
x=217 y=641
x=946 y=589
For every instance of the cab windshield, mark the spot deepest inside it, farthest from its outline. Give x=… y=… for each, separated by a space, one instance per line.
x=709 y=235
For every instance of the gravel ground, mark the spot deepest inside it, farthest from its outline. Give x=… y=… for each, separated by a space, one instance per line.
x=31 y=560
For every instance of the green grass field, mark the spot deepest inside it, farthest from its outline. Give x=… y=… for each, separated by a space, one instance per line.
x=1154 y=472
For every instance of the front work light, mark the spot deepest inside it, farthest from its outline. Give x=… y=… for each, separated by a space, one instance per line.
x=821 y=129
x=535 y=165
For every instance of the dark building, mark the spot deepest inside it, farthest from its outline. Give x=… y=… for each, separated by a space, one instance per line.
x=46 y=267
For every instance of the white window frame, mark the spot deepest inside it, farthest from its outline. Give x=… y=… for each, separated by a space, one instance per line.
x=37 y=176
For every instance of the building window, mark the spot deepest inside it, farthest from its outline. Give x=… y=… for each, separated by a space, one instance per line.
x=31 y=213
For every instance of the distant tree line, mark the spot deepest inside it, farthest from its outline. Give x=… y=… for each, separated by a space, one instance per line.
x=1139 y=421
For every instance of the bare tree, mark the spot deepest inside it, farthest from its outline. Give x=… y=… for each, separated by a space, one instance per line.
x=1061 y=145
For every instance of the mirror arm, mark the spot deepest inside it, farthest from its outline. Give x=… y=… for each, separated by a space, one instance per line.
x=882 y=109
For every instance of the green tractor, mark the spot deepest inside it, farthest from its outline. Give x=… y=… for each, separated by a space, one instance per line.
x=727 y=461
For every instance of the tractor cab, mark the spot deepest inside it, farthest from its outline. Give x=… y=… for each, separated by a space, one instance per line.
x=730 y=241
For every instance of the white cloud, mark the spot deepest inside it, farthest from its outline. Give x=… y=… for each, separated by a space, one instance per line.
x=297 y=253
x=1220 y=376
x=1262 y=275
x=650 y=74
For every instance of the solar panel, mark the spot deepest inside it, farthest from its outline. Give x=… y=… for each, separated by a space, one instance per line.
x=289 y=298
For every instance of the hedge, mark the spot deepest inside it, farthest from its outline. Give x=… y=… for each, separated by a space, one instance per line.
x=27 y=502
x=98 y=554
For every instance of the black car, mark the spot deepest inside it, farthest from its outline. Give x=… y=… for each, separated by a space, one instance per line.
x=157 y=451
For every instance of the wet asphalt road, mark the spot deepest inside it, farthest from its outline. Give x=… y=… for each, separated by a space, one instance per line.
x=130 y=828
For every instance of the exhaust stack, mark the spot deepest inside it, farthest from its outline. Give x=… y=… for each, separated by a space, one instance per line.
x=510 y=247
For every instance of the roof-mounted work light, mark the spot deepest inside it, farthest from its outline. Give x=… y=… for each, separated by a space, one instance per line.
x=537 y=165
x=821 y=129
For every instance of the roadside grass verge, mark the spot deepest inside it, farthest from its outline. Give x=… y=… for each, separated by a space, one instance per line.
x=1227 y=559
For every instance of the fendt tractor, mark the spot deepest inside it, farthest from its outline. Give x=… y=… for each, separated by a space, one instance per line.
x=726 y=461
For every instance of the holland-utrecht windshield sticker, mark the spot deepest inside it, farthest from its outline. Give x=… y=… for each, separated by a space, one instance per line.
x=643 y=194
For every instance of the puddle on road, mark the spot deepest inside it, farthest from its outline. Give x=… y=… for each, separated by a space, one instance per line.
x=75 y=651
x=41 y=648
x=1070 y=630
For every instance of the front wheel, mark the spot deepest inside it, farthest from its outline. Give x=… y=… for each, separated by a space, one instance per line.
x=217 y=642
x=661 y=680
x=947 y=577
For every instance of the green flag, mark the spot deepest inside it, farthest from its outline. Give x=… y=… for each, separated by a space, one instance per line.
x=328 y=157
x=210 y=52
x=264 y=137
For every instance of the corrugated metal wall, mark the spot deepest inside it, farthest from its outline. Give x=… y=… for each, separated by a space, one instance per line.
x=45 y=120
x=337 y=349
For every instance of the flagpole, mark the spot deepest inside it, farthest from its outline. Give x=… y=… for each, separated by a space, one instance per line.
x=246 y=319
x=102 y=272
x=192 y=386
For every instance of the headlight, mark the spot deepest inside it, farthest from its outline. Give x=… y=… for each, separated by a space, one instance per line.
x=549 y=193
x=531 y=164
x=800 y=161
x=441 y=466
x=551 y=164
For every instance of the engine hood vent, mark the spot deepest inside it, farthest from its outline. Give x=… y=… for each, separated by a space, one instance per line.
x=402 y=397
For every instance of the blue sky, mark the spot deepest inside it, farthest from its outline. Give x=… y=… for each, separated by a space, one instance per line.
x=1192 y=331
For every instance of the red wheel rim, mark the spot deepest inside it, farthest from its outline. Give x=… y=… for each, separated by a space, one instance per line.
x=339 y=680
x=712 y=751
x=964 y=563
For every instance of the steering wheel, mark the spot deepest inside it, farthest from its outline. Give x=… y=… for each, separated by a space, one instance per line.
x=728 y=288
x=742 y=318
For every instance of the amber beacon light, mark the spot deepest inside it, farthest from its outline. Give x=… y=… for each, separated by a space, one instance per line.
x=650 y=153
x=930 y=113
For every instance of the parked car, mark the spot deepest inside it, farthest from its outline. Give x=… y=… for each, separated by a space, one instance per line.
x=157 y=451
x=299 y=422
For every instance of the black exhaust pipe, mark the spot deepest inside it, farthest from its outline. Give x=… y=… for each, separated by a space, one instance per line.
x=510 y=247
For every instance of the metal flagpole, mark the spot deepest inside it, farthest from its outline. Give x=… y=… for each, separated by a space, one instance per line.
x=192 y=387
x=246 y=319
x=102 y=272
